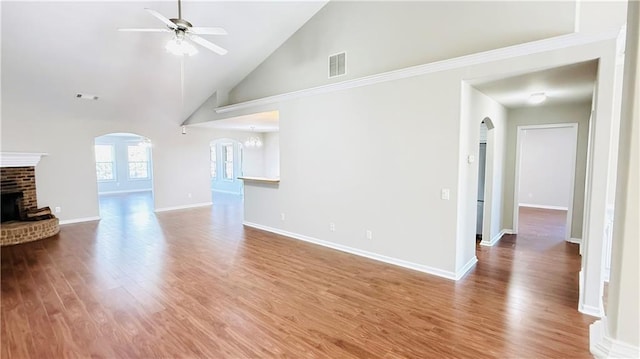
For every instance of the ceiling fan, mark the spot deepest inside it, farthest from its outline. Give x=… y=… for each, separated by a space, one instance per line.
x=183 y=32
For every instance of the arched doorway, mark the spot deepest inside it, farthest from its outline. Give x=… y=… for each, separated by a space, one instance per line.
x=226 y=157
x=124 y=174
x=486 y=183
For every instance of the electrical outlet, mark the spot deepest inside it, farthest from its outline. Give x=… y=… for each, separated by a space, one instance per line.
x=369 y=234
x=282 y=216
x=332 y=227
x=58 y=210
x=189 y=195
x=445 y=193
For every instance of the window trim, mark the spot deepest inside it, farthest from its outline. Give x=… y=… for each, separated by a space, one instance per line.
x=224 y=162
x=114 y=169
x=148 y=162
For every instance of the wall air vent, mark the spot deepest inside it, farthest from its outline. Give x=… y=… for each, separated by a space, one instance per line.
x=337 y=64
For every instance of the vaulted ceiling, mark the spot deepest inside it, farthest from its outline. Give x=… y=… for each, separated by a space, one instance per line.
x=53 y=50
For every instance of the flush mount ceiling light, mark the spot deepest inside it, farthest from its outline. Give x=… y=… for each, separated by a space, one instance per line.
x=537 y=98
x=84 y=96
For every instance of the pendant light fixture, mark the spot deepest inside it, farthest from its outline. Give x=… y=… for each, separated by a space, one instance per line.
x=253 y=141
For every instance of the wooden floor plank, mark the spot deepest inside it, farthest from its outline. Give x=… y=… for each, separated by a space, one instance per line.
x=196 y=283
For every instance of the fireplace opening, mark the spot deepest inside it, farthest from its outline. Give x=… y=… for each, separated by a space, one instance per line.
x=11 y=206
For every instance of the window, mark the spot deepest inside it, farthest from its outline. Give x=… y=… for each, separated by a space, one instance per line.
x=214 y=162
x=138 y=158
x=228 y=161
x=105 y=162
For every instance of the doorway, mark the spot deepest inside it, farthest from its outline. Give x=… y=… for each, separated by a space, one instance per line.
x=545 y=173
x=482 y=160
x=124 y=175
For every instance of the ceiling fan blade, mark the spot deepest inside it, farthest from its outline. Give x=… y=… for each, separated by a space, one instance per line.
x=204 y=43
x=207 y=30
x=162 y=18
x=143 y=30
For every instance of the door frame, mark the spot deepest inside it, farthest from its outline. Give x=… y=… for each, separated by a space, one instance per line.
x=516 y=188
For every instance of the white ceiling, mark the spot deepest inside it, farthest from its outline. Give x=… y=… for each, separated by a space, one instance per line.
x=258 y=122
x=53 y=50
x=566 y=84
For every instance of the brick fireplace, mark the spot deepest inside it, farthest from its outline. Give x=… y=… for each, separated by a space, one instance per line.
x=18 y=193
x=20 y=179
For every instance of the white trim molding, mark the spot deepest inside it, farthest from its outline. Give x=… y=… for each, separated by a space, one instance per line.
x=187 y=206
x=603 y=346
x=79 y=220
x=575 y=240
x=378 y=257
x=495 y=239
x=529 y=48
x=585 y=308
x=466 y=268
x=20 y=159
x=543 y=206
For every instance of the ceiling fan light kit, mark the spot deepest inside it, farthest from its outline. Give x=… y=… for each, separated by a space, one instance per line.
x=179 y=46
x=184 y=34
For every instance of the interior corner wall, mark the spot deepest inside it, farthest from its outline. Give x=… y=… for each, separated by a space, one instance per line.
x=571 y=113
x=476 y=106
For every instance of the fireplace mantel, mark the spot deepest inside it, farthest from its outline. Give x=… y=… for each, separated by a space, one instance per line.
x=20 y=159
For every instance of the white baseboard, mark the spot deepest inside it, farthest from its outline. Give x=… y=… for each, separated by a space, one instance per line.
x=370 y=255
x=126 y=191
x=575 y=240
x=542 y=206
x=79 y=220
x=187 y=206
x=495 y=239
x=591 y=310
x=584 y=308
x=462 y=271
x=603 y=346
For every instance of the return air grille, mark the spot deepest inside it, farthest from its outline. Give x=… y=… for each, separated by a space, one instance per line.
x=337 y=64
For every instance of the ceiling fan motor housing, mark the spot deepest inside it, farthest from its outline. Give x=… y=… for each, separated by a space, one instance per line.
x=181 y=23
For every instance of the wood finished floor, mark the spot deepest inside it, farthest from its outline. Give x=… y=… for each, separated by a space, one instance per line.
x=195 y=283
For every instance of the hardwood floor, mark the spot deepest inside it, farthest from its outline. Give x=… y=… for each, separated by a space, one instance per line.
x=195 y=283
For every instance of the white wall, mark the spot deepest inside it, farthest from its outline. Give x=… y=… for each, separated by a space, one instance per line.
x=546 y=166
x=539 y=115
x=381 y=36
x=272 y=155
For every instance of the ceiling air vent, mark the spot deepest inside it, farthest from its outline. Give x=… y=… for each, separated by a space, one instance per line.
x=84 y=96
x=337 y=64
